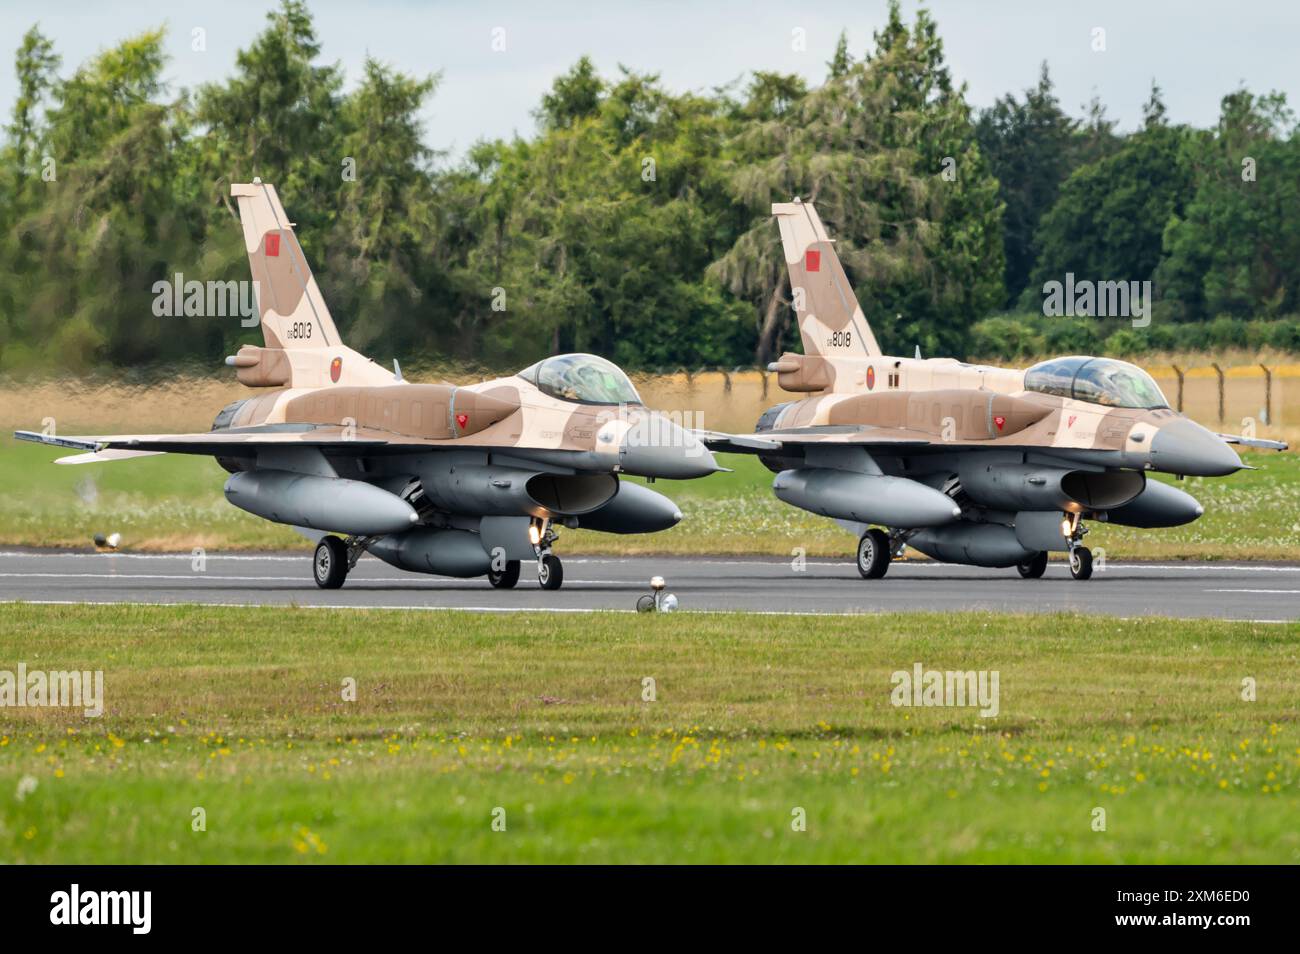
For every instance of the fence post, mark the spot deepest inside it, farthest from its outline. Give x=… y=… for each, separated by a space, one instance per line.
x=726 y=380
x=763 y=372
x=1179 y=371
x=1268 y=395
x=1219 y=371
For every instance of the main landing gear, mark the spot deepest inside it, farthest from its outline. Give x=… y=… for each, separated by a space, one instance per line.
x=876 y=549
x=1034 y=567
x=333 y=559
x=506 y=577
x=874 y=553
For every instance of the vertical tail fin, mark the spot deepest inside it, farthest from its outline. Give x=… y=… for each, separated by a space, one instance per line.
x=293 y=313
x=831 y=322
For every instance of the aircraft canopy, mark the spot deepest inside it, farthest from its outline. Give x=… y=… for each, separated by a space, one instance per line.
x=1102 y=381
x=582 y=378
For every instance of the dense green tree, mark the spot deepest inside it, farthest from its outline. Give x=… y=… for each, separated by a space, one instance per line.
x=36 y=65
x=573 y=96
x=1109 y=219
x=1236 y=248
x=635 y=221
x=595 y=235
x=887 y=151
x=382 y=260
x=842 y=60
x=1031 y=146
x=277 y=117
x=107 y=225
x=1096 y=137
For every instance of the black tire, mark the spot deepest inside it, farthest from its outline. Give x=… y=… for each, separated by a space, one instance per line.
x=507 y=578
x=873 y=554
x=330 y=563
x=1081 y=563
x=646 y=604
x=1034 y=567
x=551 y=572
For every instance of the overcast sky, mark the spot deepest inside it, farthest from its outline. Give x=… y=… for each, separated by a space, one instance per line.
x=1196 y=50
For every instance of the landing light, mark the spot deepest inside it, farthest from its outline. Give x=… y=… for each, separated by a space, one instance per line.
x=534 y=534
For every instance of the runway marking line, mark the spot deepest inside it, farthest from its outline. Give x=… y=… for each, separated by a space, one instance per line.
x=197 y=577
x=1238 y=590
x=515 y=609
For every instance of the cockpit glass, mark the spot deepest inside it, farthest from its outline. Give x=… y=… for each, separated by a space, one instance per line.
x=1102 y=381
x=583 y=378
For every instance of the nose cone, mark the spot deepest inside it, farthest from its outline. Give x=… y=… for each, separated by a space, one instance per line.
x=1184 y=447
x=656 y=447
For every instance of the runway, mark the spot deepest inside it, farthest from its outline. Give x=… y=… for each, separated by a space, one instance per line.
x=1243 y=591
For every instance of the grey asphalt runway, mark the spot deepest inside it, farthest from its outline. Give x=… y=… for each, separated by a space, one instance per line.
x=1246 y=591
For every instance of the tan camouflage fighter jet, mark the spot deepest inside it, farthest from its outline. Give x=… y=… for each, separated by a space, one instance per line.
x=968 y=464
x=456 y=481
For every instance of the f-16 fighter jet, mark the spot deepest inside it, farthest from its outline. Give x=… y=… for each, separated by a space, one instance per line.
x=966 y=463
x=456 y=481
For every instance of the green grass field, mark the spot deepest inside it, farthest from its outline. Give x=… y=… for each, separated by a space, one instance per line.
x=174 y=502
x=241 y=713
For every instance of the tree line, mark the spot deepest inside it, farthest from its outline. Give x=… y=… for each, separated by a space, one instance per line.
x=634 y=222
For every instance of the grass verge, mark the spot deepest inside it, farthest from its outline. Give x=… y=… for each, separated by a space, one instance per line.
x=548 y=722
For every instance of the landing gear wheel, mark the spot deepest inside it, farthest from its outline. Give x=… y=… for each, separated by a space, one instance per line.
x=550 y=572
x=330 y=564
x=506 y=578
x=1081 y=563
x=1034 y=567
x=873 y=554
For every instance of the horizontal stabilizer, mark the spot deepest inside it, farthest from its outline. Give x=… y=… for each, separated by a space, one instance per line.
x=738 y=442
x=100 y=457
x=210 y=443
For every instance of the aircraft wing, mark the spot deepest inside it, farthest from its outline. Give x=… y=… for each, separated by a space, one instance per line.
x=207 y=443
x=769 y=442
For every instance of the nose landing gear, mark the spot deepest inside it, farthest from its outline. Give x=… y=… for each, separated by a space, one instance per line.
x=550 y=571
x=1081 y=563
x=1073 y=530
